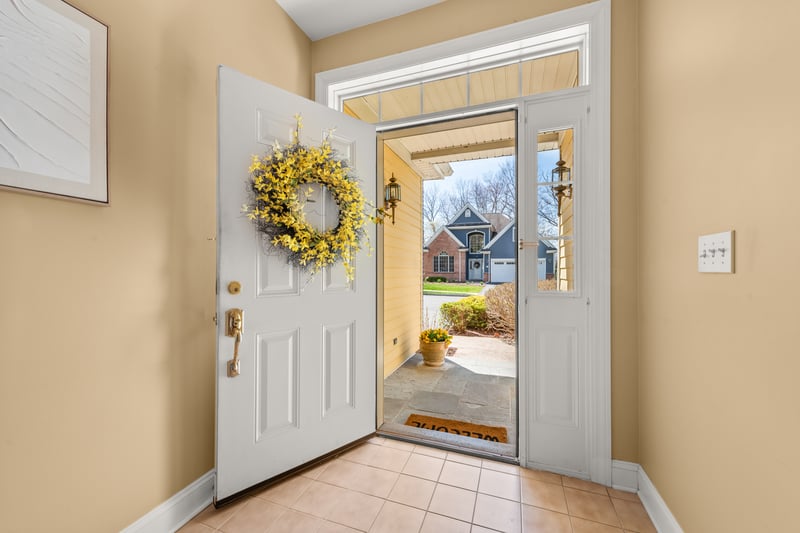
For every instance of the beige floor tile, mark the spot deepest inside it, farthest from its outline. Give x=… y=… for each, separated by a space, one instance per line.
x=464 y=459
x=535 y=520
x=254 y=517
x=539 y=475
x=542 y=494
x=333 y=527
x=633 y=515
x=582 y=484
x=380 y=441
x=389 y=458
x=361 y=478
x=412 y=491
x=586 y=526
x=435 y=523
x=499 y=484
x=498 y=513
x=398 y=518
x=433 y=452
x=341 y=469
x=500 y=467
x=479 y=529
x=399 y=444
x=360 y=454
x=453 y=502
x=216 y=517
x=197 y=527
x=623 y=495
x=286 y=492
x=313 y=473
x=423 y=466
x=460 y=475
x=591 y=506
x=319 y=499
x=295 y=522
x=356 y=510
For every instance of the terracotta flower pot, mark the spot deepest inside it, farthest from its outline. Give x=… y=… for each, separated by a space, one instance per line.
x=433 y=352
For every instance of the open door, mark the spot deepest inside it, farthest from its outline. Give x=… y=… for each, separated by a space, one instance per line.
x=307 y=350
x=555 y=323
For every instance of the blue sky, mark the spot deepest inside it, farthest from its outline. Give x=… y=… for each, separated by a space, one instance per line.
x=479 y=167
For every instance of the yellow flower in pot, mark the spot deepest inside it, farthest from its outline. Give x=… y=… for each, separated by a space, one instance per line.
x=433 y=343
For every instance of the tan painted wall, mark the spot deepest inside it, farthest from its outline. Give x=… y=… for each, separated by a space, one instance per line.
x=457 y=18
x=106 y=333
x=719 y=394
x=402 y=261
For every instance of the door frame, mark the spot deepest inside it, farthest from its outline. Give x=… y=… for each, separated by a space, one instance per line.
x=595 y=21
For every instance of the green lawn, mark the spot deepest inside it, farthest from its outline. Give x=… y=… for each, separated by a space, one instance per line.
x=462 y=288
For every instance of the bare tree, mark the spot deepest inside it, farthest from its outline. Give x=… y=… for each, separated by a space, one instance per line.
x=433 y=210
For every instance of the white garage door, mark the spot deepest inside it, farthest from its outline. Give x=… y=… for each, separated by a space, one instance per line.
x=503 y=270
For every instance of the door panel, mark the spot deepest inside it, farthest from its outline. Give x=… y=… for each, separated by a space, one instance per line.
x=554 y=339
x=307 y=354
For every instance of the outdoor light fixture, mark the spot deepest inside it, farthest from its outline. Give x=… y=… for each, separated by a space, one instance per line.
x=391 y=195
x=561 y=174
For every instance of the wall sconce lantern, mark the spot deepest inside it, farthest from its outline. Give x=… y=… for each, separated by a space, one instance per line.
x=560 y=175
x=391 y=195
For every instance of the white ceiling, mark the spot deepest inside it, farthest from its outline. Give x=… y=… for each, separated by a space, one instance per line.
x=323 y=18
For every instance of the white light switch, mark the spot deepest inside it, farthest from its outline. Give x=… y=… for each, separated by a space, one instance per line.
x=715 y=252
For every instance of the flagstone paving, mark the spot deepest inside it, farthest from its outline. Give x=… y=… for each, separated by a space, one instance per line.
x=466 y=387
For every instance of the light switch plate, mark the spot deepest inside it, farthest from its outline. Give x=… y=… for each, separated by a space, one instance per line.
x=715 y=252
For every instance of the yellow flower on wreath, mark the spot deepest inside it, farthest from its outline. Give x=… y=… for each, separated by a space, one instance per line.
x=277 y=208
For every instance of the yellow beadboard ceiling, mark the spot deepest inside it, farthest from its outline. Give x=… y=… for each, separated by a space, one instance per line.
x=430 y=149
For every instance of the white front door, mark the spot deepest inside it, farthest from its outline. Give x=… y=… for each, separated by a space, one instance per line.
x=554 y=341
x=307 y=353
x=475 y=269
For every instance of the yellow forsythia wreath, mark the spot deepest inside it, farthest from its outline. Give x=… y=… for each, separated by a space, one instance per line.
x=277 y=206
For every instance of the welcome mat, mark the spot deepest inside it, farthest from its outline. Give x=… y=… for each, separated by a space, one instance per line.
x=458 y=427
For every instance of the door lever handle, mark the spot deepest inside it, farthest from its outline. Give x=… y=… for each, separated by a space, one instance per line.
x=234 y=328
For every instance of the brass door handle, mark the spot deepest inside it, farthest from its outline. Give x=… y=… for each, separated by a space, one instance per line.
x=234 y=328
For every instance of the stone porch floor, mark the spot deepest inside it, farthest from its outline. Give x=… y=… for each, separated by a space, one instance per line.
x=476 y=384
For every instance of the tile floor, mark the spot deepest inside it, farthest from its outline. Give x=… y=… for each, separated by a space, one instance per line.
x=388 y=486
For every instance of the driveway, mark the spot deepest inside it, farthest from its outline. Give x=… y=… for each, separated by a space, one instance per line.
x=432 y=303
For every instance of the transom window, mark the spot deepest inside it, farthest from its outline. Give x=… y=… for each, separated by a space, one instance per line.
x=443 y=263
x=475 y=242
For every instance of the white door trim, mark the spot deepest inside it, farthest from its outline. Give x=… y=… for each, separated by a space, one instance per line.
x=597 y=17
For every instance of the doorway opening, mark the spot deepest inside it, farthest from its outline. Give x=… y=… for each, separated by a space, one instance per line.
x=452 y=267
x=564 y=378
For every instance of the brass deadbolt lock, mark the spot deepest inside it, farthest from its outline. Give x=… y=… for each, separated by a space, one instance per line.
x=234 y=287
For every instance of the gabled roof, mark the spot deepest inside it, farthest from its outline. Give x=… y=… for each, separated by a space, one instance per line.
x=499 y=235
x=497 y=220
x=441 y=230
x=481 y=218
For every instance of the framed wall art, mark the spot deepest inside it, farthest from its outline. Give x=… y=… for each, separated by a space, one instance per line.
x=53 y=63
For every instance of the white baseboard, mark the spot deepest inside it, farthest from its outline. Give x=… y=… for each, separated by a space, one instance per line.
x=175 y=512
x=625 y=476
x=656 y=507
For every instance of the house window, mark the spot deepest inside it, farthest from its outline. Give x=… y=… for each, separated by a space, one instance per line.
x=475 y=242
x=467 y=213
x=443 y=263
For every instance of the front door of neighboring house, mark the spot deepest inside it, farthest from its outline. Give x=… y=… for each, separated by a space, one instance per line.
x=307 y=351
x=475 y=272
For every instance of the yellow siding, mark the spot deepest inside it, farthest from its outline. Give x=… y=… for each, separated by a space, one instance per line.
x=402 y=270
x=566 y=248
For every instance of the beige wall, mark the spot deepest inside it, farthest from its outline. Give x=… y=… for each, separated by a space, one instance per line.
x=402 y=261
x=106 y=333
x=464 y=17
x=719 y=394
